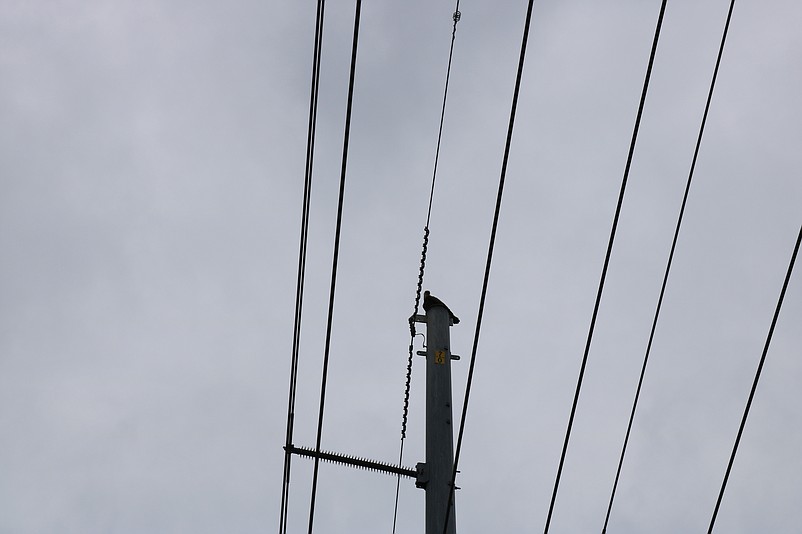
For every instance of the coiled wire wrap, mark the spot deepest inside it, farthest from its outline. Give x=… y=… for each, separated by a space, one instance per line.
x=413 y=332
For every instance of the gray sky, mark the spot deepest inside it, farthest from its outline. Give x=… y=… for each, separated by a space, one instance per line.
x=151 y=171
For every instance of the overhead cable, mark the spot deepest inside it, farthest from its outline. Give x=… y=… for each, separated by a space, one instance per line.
x=606 y=264
x=346 y=138
x=668 y=268
x=299 y=291
x=455 y=17
x=755 y=382
x=489 y=261
x=421 y=269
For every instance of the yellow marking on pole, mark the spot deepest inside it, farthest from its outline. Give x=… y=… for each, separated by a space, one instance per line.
x=440 y=357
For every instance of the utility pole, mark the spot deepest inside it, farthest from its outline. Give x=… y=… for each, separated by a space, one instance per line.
x=435 y=475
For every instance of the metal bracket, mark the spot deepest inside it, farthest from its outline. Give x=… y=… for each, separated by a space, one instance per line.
x=422 y=476
x=423 y=353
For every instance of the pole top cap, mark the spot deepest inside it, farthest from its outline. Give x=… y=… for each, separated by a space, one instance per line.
x=430 y=301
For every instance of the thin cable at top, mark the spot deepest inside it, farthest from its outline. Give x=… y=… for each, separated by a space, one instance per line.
x=299 y=292
x=757 y=378
x=456 y=17
x=502 y=178
x=346 y=138
x=668 y=268
x=606 y=263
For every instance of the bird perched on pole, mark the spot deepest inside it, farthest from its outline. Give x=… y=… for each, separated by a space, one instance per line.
x=430 y=301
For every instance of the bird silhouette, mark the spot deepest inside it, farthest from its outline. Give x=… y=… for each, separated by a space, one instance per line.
x=430 y=301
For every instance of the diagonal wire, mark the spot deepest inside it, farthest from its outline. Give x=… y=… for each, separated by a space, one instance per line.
x=606 y=263
x=346 y=137
x=455 y=18
x=668 y=268
x=490 y=248
x=422 y=267
x=757 y=378
x=299 y=292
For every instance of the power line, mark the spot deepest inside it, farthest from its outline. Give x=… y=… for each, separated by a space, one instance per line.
x=490 y=248
x=456 y=18
x=668 y=267
x=606 y=263
x=757 y=378
x=346 y=138
x=299 y=292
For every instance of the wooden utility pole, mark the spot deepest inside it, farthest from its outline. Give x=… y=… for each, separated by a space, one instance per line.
x=435 y=475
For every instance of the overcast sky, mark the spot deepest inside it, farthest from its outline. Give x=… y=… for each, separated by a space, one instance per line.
x=151 y=175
